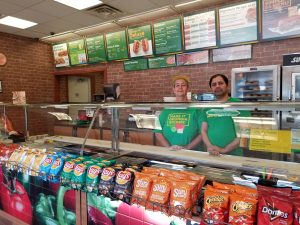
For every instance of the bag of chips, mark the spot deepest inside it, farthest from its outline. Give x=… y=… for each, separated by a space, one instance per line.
x=242 y=210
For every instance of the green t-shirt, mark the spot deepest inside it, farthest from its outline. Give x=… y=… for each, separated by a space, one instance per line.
x=180 y=126
x=221 y=129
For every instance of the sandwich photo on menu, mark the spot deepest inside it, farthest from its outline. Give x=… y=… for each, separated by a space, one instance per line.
x=287 y=25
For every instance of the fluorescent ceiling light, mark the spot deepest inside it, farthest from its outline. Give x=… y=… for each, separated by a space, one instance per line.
x=79 y=4
x=187 y=3
x=16 y=22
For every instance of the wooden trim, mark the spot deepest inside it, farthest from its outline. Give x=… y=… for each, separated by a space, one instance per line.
x=84 y=209
x=78 y=207
x=7 y=219
x=82 y=72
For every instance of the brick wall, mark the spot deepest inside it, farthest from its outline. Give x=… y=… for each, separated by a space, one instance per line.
x=152 y=85
x=29 y=68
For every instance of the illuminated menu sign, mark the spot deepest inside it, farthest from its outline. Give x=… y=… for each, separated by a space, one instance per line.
x=116 y=45
x=96 y=49
x=280 y=18
x=140 y=41
x=167 y=36
x=238 y=23
x=200 y=30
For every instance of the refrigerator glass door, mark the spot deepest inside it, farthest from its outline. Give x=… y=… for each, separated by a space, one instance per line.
x=254 y=85
x=296 y=86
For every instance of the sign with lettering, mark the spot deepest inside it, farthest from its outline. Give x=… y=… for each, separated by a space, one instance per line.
x=238 y=23
x=96 y=49
x=77 y=52
x=200 y=30
x=291 y=59
x=116 y=45
x=136 y=64
x=140 y=41
x=167 y=36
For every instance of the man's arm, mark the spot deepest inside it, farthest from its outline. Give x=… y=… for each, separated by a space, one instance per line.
x=212 y=149
x=231 y=146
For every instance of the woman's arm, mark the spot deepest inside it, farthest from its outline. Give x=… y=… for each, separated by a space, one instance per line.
x=162 y=140
x=195 y=142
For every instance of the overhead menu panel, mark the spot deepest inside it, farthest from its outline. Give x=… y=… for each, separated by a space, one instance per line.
x=167 y=36
x=200 y=30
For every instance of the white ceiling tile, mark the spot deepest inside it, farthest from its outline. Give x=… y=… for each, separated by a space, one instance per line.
x=34 y=16
x=30 y=33
x=61 y=38
x=161 y=3
x=132 y=6
x=41 y=28
x=100 y=29
x=24 y=3
x=8 y=29
x=8 y=8
x=61 y=25
x=53 y=8
x=83 y=19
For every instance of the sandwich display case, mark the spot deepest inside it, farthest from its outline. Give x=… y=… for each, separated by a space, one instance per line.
x=79 y=197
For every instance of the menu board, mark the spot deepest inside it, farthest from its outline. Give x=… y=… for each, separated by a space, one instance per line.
x=77 y=52
x=60 y=53
x=232 y=53
x=200 y=30
x=161 y=62
x=140 y=41
x=238 y=23
x=280 y=18
x=116 y=45
x=136 y=64
x=96 y=49
x=192 y=58
x=167 y=36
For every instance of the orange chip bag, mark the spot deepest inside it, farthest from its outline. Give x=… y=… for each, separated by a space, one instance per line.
x=159 y=194
x=141 y=188
x=176 y=175
x=211 y=188
x=229 y=187
x=151 y=170
x=246 y=191
x=215 y=207
x=242 y=210
x=181 y=198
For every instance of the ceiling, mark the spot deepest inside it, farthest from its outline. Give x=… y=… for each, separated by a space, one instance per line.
x=57 y=22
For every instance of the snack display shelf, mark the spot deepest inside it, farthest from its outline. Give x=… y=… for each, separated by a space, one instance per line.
x=286 y=170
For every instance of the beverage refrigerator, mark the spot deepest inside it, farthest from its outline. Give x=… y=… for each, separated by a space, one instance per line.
x=260 y=83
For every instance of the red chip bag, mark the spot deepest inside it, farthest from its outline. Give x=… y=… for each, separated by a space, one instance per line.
x=296 y=213
x=274 y=210
x=242 y=210
x=271 y=190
